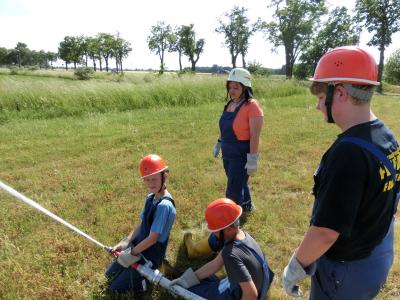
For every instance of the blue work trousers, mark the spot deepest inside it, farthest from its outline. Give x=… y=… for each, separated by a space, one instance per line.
x=353 y=280
x=125 y=279
x=237 y=186
x=212 y=288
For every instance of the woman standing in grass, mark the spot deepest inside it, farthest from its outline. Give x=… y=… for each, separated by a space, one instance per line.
x=240 y=126
x=150 y=238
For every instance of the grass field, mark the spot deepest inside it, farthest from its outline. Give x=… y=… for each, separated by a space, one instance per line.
x=74 y=147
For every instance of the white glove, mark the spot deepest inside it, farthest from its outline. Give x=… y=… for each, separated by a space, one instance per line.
x=126 y=259
x=251 y=164
x=216 y=149
x=122 y=245
x=293 y=274
x=187 y=279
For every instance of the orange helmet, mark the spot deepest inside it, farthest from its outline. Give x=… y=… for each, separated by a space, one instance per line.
x=221 y=213
x=347 y=64
x=152 y=164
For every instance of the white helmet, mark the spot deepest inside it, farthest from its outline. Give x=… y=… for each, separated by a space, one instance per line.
x=240 y=75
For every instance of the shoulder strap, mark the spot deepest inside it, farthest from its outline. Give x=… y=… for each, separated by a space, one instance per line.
x=169 y=199
x=375 y=151
x=151 y=215
x=268 y=275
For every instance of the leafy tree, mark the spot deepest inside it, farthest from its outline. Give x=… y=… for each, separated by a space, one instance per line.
x=85 y=49
x=106 y=46
x=383 y=18
x=191 y=47
x=175 y=44
x=392 y=68
x=158 y=41
x=23 y=54
x=39 y=58
x=12 y=57
x=293 y=27
x=121 y=50
x=3 y=56
x=237 y=31
x=70 y=50
x=92 y=45
x=51 y=57
x=339 y=30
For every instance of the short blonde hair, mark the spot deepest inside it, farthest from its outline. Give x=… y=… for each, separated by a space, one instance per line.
x=322 y=87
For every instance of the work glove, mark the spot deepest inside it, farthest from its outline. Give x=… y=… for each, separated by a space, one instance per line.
x=122 y=245
x=187 y=279
x=126 y=259
x=216 y=148
x=293 y=274
x=251 y=164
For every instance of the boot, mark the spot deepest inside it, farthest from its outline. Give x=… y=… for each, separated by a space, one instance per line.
x=199 y=248
x=221 y=273
x=168 y=270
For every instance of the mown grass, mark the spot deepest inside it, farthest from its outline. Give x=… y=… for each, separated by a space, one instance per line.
x=85 y=169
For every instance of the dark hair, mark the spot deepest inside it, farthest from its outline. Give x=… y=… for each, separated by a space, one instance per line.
x=247 y=91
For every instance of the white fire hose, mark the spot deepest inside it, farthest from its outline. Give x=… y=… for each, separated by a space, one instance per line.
x=154 y=276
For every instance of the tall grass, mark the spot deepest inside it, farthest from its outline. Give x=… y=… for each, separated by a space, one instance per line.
x=85 y=169
x=35 y=97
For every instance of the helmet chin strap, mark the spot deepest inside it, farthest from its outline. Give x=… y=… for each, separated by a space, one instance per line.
x=221 y=236
x=329 y=101
x=162 y=182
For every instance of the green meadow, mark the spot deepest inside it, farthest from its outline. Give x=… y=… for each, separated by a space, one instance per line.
x=74 y=147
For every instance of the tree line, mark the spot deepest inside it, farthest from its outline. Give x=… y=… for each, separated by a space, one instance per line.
x=304 y=28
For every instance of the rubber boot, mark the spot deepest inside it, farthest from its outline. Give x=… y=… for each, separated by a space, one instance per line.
x=195 y=249
x=221 y=273
x=168 y=270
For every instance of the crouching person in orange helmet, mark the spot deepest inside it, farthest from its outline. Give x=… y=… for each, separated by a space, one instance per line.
x=348 y=248
x=150 y=238
x=248 y=274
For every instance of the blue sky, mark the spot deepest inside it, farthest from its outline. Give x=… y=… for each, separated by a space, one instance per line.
x=42 y=24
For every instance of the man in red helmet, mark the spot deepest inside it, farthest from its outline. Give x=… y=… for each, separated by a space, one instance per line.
x=248 y=274
x=348 y=248
x=150 y=238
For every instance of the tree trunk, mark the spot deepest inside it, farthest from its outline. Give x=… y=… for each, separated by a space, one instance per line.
x=120 y=65
x=94 y=64
x=289 y=64
x=75 y=65
x=101 y=68
x=180 y=61
x=106 y=60
x=86 y=59
x=193 y=65
x=162 y=62
x=66 y=66
x=233 y=61
x=380 y=67
x=243 y=61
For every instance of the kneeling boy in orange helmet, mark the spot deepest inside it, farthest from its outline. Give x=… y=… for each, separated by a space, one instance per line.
x=248 y=274
x=150 y=238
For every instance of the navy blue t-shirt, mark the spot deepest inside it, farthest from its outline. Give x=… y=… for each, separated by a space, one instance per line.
x=354 y=191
